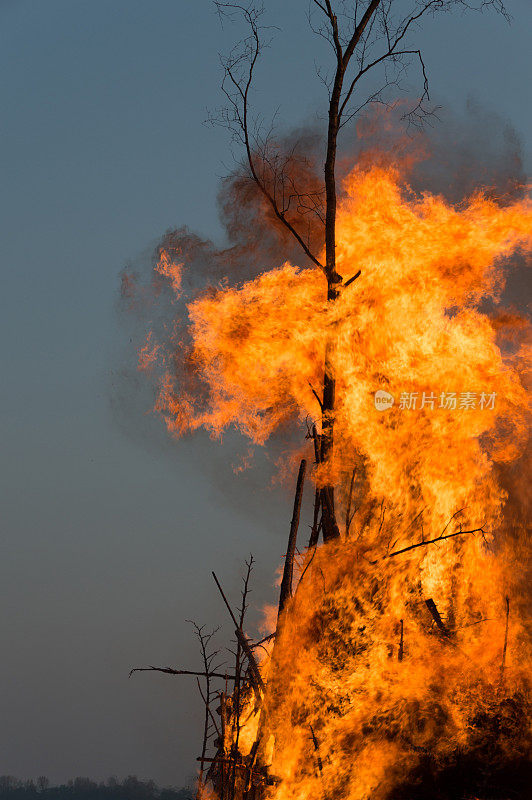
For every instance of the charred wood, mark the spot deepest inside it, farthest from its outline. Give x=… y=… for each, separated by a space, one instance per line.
x=288 y=572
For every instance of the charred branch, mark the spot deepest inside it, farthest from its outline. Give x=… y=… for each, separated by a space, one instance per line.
x=171 y=671
x=256 y=678
x=435 y=614
x=426 y=543
x=238 y=667
x=206 y=702
x=288 y=572
x=317 y=749
x=224 y=598
x=309 y=562
x=348 y=515
x=316 y=395
x=316 y=524
x=262 y=642
x=505 y=645
x=352 y=279
x=328 y=518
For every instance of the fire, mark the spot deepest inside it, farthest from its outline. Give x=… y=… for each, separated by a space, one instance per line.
x=369 y=685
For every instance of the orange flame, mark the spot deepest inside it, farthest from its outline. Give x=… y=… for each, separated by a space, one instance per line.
x=364 y=675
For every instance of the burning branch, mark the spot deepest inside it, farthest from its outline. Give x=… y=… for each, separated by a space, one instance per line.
x=431 y=605
x=316 y=523
x=352 y=279
x=427 y=542
x=317 y=749
x=505 y=645
x=314 y=392
x=348 y=516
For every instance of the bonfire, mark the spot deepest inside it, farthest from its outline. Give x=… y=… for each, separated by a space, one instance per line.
x=399 y=661
x=396 y=665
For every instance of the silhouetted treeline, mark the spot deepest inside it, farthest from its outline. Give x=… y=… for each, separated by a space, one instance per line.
x=130 y=788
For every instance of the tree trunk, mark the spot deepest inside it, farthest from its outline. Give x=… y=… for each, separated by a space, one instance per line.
x=330 y=526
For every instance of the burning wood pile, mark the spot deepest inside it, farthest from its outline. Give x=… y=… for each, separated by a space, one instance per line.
x=398 y=661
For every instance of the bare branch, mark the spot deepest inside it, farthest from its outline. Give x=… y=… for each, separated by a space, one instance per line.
x=171 y=671
x=239 y=69
x=245 y=589
x=207 y=706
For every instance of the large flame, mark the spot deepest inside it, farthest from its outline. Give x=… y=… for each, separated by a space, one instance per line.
x=369 y=683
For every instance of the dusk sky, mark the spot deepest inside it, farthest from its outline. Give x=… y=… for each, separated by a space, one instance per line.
x=110 y=530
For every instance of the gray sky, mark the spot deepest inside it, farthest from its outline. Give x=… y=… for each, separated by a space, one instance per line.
x=108 y=538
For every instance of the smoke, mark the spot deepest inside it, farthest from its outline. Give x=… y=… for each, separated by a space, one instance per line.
x=451 y=157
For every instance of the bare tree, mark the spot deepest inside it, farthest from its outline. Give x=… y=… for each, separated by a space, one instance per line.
x=366 y=36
